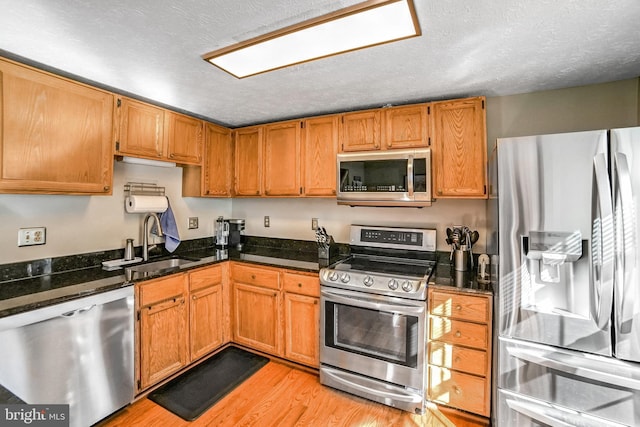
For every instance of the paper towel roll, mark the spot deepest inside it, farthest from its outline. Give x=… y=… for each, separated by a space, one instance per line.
x=142 y=204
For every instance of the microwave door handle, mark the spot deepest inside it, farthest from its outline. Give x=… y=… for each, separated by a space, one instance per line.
x=372 y=304
x=410 y=175
x=602 y=243
x=626 y=232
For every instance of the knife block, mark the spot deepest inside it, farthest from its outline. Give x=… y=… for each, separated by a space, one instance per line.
x=327 y=252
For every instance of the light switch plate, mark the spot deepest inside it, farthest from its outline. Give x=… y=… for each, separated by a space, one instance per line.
x=193 y=222
x=32 y=236
x=314 y=223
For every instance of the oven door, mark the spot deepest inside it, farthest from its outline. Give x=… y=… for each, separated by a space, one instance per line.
x=377 y=336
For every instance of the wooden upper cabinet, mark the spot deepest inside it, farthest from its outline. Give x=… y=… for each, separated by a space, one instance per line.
x=406 y=127
x=151 y=132
x=56 y=136
x=248 y=161
x=282 y=159
x=361 y=131
x=218 y=163
x=141 y=129
x=319 y=150
x=459 y=149
x=184 y=138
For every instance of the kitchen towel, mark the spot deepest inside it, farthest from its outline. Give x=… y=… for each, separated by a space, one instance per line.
x=169 y=229
x=144 y=204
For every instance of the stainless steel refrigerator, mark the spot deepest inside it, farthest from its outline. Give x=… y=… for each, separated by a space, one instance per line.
x=568 y=298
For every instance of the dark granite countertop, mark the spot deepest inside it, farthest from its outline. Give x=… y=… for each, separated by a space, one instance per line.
x=447 y=278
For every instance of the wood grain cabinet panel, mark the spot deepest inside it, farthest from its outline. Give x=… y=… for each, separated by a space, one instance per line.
x=56 y=136
x=361 y=131
x=163 y=328
x=320 y=147
x=215 y=177
x=459 y=148
x=257 y=318
x=459 y=350
x=248 y=161
x=141 y=129
x=184 y=138
x=406 y=126
x=206 y=313
x=302 y=323
x=282 y=159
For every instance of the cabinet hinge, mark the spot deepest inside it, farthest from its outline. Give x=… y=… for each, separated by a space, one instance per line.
x=483 y=104
x=428 y=109
x=301 y=125
x=300 y=190
x=117 y=145
x=119 y=103
x=139 y=385
x=429 y=141
x=138 y=317
x=485 y=189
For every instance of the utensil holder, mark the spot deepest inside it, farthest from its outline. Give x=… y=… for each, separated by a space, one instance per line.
x=461 y=260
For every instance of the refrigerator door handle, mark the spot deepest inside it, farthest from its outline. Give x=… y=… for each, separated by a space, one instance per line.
x=566 y=363
x=547 y=414
x=626 y=234
x=602 y=243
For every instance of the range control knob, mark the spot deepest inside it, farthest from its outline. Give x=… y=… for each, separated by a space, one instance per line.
x=393 y=284
x=345 y=278
x=368 y=281
x=333 y=276
x=407 y=286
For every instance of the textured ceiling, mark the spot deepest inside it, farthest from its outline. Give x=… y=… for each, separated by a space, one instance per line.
x=153 y=49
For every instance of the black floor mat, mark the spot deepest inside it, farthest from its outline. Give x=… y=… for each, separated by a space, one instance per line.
x=195 y=391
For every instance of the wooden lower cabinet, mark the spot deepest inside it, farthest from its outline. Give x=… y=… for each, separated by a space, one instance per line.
x=162 y=328
x=459 y=350
x=277 y=311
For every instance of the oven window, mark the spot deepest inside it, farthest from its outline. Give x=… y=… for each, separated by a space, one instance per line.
x=391 y=337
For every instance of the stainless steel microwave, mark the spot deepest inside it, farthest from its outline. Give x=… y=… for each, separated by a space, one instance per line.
x=385 y=178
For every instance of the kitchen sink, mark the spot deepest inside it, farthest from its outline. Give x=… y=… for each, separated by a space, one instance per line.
x=156 y=268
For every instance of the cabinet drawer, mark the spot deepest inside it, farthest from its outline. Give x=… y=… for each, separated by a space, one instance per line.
x=162 y=289
x=256 y=276
x=205 y=277
x=464 y=307
x=458 y=358
x=457 y=332
x=301 y=284
x=462 y=391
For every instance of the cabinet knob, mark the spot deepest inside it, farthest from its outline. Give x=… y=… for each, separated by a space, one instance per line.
x=106 y=188
x=457 y=390
x=439 y=192
x=456 y=360
x=171 y=155
x=458 y=307
x=253 y=277
x=299 y=285
x=194 y=297
x=458 y=334
x=257 y=193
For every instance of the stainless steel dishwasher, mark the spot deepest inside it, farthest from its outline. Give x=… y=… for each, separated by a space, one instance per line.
x=78 y=352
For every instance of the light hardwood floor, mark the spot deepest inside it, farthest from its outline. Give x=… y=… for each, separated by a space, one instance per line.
x=279 y=395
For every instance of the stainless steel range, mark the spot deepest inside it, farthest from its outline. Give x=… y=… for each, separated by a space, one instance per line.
x=373 y=316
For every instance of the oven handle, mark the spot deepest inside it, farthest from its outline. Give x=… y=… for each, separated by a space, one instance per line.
x=399 y=308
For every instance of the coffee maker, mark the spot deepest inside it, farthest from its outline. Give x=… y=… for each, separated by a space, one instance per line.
x=236 y=233
x=230 y=232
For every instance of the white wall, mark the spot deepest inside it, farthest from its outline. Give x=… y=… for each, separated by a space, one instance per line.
x=80 y=224
x=291 y=218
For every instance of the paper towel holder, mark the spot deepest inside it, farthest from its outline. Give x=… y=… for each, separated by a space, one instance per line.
x=142 y=189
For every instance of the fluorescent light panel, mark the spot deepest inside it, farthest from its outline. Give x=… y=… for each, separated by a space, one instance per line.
x=367 y=24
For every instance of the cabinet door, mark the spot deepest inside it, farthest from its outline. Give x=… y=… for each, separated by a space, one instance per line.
x=360 y=131
x=184 y=138
x=282 y=159
x=320 y=146
x=206 y=320
x=218 y=163
x=406 y=127
x=55 y=135
x=257 y=318
x=302 y=326
x=460 y=148
x=248 y=164
x=163 y=344
x=141 y=130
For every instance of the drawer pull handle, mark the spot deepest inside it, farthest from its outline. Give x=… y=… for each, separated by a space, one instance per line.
x=458 y=334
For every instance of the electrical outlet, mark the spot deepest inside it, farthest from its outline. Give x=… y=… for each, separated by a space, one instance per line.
x=193 y=222
x=314 y=223
x=32 y=236
x=267 y=222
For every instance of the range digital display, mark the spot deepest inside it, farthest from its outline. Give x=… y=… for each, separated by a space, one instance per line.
x=392 y=237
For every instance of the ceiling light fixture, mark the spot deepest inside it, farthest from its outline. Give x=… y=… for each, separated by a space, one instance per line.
x=366 y=24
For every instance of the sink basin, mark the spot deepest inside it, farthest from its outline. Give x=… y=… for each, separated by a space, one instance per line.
x=156 y=267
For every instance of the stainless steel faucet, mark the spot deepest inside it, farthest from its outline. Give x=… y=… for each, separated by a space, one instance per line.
x=145 y=234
